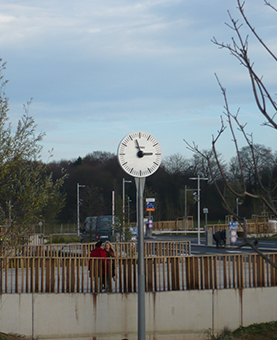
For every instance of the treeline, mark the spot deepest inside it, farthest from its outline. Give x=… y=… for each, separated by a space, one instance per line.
x=99 y=174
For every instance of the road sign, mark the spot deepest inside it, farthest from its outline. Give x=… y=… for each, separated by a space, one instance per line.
x=150 y=223
x=234 y=236
x=234 y=225
x=150 y=204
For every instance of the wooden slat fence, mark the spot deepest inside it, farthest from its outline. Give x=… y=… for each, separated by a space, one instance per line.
x=162 y=273
x=122 y=249
x=251 y=228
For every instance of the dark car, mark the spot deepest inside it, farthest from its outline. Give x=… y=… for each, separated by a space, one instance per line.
x=98 y=228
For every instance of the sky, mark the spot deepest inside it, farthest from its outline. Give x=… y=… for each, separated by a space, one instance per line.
x=100 y=69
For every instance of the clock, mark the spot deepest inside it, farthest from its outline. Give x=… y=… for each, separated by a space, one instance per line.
x=139 y=154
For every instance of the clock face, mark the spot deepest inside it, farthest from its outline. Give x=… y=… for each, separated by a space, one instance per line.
x=139 y=154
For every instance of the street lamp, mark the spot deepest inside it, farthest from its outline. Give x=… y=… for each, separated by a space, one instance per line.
x=78 y=207
x=206 y=211
x=123 y=204
x=198 y=178
x=237 y=205
x=186 y=205
x=129 y=201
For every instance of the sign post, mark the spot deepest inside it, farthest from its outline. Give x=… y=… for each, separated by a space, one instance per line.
x=233 y=226
x=150 y=206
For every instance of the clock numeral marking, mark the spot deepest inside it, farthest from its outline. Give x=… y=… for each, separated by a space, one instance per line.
x=130 y=137
x=149 y=170
x=124 y=163
x=124 y=144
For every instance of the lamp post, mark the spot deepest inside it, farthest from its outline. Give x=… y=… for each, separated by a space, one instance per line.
x=206 y=211
x=237 y=205
x=198 y=178
x=113 y=212
x=186 y=204
x=129 y=201
x=123 y=204
x=78 y=207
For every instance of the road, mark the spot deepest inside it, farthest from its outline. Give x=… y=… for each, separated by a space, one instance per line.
x=264 y=245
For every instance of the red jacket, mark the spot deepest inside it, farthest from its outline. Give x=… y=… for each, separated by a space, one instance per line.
x=99 y=252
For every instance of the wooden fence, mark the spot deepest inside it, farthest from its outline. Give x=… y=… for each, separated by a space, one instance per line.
x=122 y=249
x=183 y=223
x=251 y=228
x=23 y=274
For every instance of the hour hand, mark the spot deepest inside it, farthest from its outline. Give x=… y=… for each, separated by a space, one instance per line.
x=147 y=153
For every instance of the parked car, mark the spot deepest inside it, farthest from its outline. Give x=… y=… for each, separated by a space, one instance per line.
x=97 y=228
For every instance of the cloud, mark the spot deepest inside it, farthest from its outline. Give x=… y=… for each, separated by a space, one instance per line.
x=104 y=67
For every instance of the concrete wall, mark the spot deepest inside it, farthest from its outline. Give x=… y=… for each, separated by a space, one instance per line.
x=175 y=315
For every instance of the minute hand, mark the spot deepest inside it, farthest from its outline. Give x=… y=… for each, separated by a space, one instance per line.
x=137 y=144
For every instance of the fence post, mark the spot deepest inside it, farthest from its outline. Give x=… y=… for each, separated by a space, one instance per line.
x=188 y=272
x=175 y=273
x=149 y=274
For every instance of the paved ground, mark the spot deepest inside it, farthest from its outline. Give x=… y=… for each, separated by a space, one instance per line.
x=265 y=245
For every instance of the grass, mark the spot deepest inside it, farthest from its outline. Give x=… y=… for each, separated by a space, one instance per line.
x=261 y=331
x=65 y=239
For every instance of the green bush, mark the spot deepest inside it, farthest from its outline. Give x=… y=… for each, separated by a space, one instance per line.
x=225 y=335
x=261 y=331
x=64 y=239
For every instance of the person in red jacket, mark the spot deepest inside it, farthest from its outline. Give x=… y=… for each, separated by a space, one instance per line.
x=98 y=251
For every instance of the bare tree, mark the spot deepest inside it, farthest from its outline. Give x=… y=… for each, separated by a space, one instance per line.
x=175 y=164
x=266 y=104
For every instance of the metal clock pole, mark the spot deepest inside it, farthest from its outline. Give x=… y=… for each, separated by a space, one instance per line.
x=140 y=184
x=139 y=154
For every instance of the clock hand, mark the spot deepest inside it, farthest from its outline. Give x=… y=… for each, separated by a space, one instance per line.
x=140 y=154
x=137 y=144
